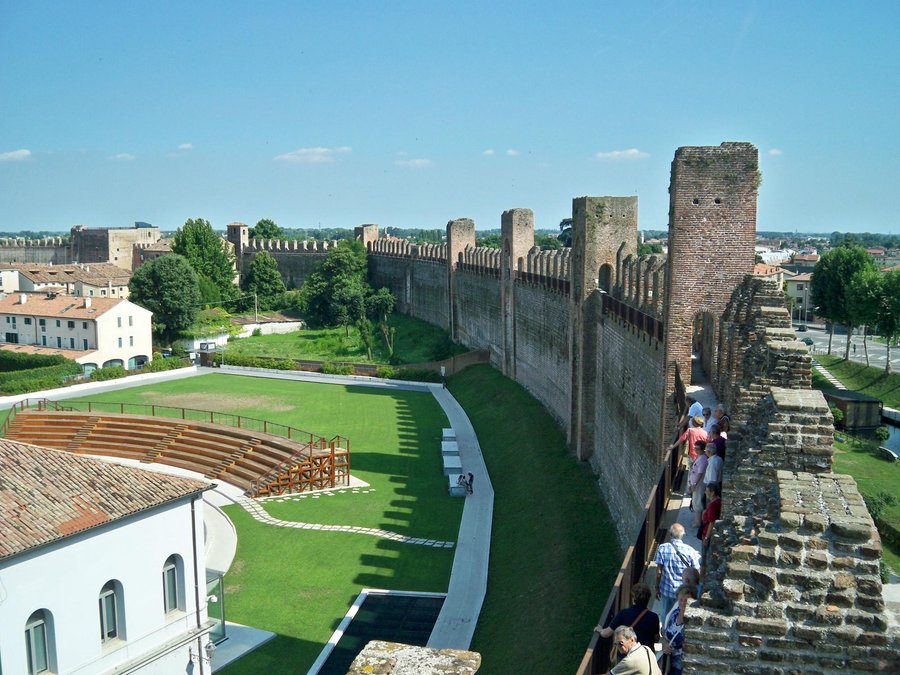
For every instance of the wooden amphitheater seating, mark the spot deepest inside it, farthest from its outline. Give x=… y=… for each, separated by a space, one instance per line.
x=246 y=458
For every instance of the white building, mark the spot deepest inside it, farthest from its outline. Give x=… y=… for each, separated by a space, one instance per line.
x=94 y=332
x=101 y=567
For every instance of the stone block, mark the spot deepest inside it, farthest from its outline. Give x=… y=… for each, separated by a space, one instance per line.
x=762 y=626
x=870 y=585
x=743 y=552
x=829 y=614
x=852 y=530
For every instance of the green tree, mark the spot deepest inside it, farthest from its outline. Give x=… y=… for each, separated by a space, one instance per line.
x=264 y=279
x=335 y=293
x=547 y=242
x=888 y=320
x=866 y=293
x=209 y=292
x=208 y=253
x=831 y=283
x=266 y=229
x=168 y=287
x=565 y=232
x=379 y=306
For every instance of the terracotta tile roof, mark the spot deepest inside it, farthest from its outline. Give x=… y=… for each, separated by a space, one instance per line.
x=765 y=270
x=101 y=273
x=60 y=307
x=47 y=494
x=800 y=278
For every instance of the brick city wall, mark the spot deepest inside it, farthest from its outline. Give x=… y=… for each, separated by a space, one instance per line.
x=542 y=346
x=627 y=409
x=478 y=310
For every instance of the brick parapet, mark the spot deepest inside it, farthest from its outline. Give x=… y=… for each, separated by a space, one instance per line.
x=794 y=586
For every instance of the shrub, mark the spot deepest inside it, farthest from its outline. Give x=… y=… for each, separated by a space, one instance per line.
x=418 y=375
x=24 y=373
x=259 y=362
x=256 y=332
x=385 y=372
x=838 y=415
x=878 y=502
x=882 y=434
x=337 y=368
x=108 y=373
x=159 y=364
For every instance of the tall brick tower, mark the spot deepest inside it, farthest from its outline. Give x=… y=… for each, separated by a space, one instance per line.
x=239 y=235
x=712 y=235
x=516 y=240
x=460 y=235
x=600 y=227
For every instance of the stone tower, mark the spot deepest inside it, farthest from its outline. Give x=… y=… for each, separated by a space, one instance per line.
x=516 y=240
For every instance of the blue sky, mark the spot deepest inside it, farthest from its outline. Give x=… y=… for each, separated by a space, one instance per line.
x=414 y=113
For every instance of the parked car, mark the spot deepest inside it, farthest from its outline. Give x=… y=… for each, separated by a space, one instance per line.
x=801 y=328
x=808 y=341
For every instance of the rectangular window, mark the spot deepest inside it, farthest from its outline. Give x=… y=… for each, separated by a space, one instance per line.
x=27 y=320
x=170 y=588
x=84 y=344
x=120 y=342
x=58 y=323
x=84 y=325
x=42 y=322
x=108 y=628
x=36 y=646
x=43 y=340
x=130 y=320
x=119 y=321
x=71 y=343
x=799 y=287
x=58 y=342
x=91 y=291
x=103 y=292
x=131 y=341
x=70 y=324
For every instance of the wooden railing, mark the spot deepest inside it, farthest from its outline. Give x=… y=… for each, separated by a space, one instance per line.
x=637 y=560
x=190 y=414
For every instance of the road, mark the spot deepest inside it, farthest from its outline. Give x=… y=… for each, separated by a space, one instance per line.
x=877 y=351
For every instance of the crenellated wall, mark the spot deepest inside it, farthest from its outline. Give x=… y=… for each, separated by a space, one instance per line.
x=47 y=250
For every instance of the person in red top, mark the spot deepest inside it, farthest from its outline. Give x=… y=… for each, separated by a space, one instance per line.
x=692 y=434
x=713 y=511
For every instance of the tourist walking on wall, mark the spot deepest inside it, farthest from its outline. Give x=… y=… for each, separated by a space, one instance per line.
x=469 y=484
x=695 y=482
x=672 y=558
x=638 y=617
x=673 y=632
x=637 y=659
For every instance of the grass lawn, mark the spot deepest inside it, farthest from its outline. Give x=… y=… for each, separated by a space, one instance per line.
x=858 y=377
x=858 y=457
x=415 y=342
x=300 y=583
x=554 y=554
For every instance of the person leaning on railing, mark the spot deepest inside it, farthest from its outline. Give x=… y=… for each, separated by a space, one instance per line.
x=637 y=659
x=638 y=617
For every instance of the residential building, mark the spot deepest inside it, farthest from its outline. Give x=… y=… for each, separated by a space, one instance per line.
x=96 y=279
x=102 y=567
x=773 y=272
x=799 y=288
x=94 y=332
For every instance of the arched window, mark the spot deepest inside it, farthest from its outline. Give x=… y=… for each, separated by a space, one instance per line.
x=173 y=584
x=112 y=611
x=39 y=642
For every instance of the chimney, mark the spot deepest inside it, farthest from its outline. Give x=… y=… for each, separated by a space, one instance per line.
x=87 y=303
x=23 y=298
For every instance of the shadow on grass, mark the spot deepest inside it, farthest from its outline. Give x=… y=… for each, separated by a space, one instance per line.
x=277 y=657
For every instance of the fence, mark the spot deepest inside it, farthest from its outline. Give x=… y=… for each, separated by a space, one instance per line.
x=637 y=560
x=189 y=414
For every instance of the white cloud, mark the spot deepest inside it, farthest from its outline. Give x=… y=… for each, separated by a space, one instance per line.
x=614 y=155
x=317 y=155
x=14 y=155
x=512 y=152
x=186 y=146
x=488 y=153
x=123 y=157
x=414 y=163
x=775 y=152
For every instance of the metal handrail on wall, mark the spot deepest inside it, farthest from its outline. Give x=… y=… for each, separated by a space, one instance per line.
x=636 y=562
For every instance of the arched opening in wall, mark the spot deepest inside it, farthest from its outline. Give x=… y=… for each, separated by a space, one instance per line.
x=605 y=278
x=703 y=347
